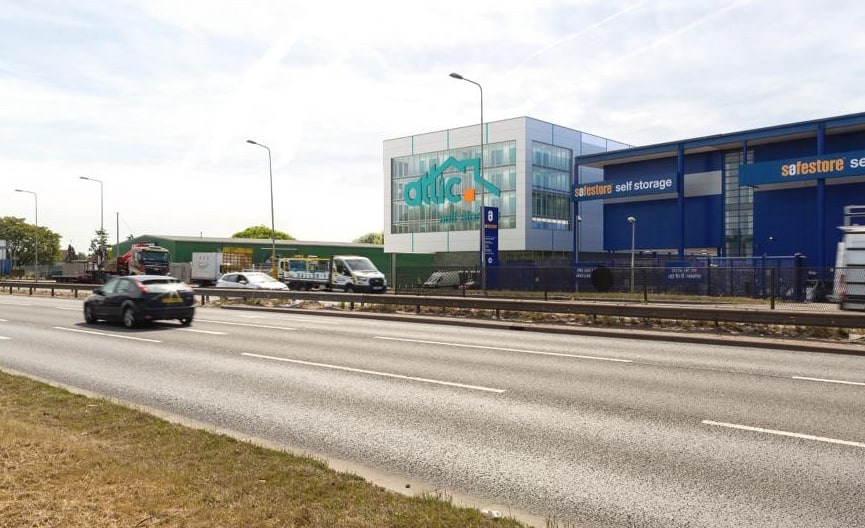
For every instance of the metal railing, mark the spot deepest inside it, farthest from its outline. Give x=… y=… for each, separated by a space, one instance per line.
x=717 y=313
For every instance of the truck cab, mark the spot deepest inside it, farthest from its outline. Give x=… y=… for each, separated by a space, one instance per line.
x=354 y=273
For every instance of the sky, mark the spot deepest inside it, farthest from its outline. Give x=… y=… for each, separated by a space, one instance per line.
x=156 y=98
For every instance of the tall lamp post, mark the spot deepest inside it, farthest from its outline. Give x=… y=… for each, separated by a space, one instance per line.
x=273 y=272
x=481 y=170
x=633 y=222
x=101 y=219
x=36 y=238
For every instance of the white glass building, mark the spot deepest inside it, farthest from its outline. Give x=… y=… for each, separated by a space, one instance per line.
x=435 y=183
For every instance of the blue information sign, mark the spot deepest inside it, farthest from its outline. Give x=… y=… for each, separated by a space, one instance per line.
x=491 y=236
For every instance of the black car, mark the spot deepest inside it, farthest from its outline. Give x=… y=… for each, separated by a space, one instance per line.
x=136 y=299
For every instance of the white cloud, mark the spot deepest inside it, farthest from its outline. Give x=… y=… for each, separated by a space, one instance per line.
x=157 y=98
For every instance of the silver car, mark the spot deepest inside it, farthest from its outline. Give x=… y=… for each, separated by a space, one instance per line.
x=250 y=280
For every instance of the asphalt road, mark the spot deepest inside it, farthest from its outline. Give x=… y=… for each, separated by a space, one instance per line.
x=594 y=431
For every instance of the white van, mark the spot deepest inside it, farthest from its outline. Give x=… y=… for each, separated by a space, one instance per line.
x=354 y=273
x=443 y=279
x=849 y=285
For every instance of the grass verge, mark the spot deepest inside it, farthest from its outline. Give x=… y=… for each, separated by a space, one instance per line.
x=68 y=460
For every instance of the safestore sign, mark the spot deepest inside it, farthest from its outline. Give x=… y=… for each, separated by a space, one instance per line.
x=624 y=188
x=802 y=169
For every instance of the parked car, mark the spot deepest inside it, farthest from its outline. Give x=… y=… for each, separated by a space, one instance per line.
x=250 y=279
x=136 y=299
x=451 y=279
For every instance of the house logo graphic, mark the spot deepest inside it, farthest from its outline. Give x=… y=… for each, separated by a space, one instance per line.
x=433 y=188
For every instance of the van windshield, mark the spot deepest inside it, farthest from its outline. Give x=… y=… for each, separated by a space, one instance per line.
x=360 y=264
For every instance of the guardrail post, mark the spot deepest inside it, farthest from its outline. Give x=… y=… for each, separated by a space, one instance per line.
x=772 y=288
x=645 y=286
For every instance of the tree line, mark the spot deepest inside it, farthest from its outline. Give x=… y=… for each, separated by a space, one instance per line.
x=24 y=241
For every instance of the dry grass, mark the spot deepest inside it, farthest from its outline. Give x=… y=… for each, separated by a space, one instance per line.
x=68 y=461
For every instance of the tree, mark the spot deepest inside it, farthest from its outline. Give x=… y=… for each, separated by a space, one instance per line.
x=261 y=231
x=98 y=247
x=371 y=238
x=19 y=237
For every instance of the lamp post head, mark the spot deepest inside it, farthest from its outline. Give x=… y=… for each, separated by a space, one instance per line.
x=457 y=76
x=251 y=141
x=631 y=219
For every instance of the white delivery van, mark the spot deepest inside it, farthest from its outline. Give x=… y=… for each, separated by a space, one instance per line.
x=354 y=273
x=443 y=279
x=849 y=285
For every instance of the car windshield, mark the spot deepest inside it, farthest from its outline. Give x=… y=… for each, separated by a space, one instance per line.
x=164 y=285
x=258 y=278
x=360 y=264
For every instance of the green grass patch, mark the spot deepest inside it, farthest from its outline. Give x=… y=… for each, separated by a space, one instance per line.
x=69 y=460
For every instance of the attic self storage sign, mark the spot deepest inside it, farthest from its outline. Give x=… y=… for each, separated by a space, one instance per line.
x=624 y=188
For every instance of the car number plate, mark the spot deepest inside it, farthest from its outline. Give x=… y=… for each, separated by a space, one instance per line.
x=171 y=300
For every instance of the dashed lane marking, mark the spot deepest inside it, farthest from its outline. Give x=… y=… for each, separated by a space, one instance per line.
x=375 y=373
x=842 y=382
x=106 y=334
x=785 y=433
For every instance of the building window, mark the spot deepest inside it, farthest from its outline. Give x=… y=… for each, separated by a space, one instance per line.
x=551 y=186
x=738 y=208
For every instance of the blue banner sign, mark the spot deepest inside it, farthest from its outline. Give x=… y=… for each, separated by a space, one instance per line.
x=683 y=272
x=800 y=169
x=623 y=188
x=491 y=236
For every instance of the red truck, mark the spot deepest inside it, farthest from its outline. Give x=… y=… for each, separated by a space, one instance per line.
x=141 y=259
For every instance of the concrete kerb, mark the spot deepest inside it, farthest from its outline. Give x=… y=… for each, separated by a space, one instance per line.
x=771 y=343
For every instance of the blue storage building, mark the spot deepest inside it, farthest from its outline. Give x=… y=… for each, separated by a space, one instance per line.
x=777 y=190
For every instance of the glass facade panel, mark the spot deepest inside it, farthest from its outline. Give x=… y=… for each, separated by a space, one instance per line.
x=738 y=208
x=440 y=201
x=551 y=186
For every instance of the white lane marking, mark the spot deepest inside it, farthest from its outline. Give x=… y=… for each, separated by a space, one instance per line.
x=202 y=331
x=245 y=324
x=829 y=381
x=376 y=373
x=106 y=334
x=4 y=320
x=785 y=433
x=15 y=304
x=70 y=309
x=503 y=349
x=3 y=337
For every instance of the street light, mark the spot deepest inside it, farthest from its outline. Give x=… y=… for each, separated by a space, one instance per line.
x=577 y=244
x=481 y=170
x=273 y=272
x=101 y=220
x=36 y=238
x=633 y=222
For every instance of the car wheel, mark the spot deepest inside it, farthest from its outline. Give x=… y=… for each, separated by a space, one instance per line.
x=129 y=318
x=186 y=321
x=89 y=316
x=349 y=288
